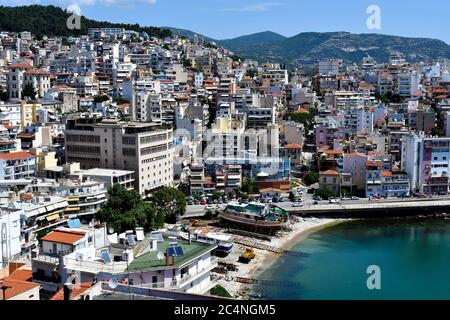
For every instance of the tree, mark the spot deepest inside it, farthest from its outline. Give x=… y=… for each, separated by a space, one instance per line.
x=28 y=91
x=3 y=95
x=121 y=100
x=311 y=178
x=325 y=193
x=291 y=197
x=220 y=291
x=100 y=98
x=171 y=201
x=251 y=73
x=126 y=210
x=249 y=186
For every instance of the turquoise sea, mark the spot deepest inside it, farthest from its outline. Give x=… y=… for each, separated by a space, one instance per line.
x=413 y=256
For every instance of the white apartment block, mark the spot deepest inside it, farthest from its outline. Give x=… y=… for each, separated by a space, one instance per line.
x=329 y=67
x=21 y=75
x=86 y=86
x=427 y=161
x=9 y=236
x=408 y=84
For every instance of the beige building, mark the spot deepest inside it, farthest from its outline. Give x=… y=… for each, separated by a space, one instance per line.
x=145 y=148
x=330 y=179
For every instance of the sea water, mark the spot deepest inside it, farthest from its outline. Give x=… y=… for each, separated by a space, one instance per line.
x=413 y=257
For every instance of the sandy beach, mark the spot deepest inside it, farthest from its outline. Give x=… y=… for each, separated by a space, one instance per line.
x=264 y=259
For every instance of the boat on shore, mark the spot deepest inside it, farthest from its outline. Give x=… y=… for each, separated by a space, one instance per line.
x=256 y=217
x=223 y=242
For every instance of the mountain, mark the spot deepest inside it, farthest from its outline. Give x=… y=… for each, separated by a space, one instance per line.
x=263 y=46
x=188 y=34
x=343 y=45
x=50 y=20
x=253 y=40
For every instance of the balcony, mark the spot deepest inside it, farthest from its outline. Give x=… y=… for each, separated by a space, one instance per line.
x=46 y=259
x=95 y=266
x=187 y=278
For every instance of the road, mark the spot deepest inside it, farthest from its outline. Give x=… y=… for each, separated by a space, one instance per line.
x=368 y=205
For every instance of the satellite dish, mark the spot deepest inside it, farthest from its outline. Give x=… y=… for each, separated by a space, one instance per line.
x=113 y=283
x=111 y=230
x=160 y=255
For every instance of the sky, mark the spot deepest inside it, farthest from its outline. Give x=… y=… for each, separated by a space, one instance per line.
x=224 y=19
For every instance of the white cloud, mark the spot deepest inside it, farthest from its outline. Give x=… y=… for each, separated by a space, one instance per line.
x=257 y=7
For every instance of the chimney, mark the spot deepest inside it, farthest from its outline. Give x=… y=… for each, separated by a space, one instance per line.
x=68 y=291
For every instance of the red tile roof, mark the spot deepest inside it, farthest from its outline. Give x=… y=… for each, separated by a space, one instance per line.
x=329 y=173
x=34 y=71
x=21 y=65
x=64 y=237
x=16 y=287
x=77 y=290
x=301 y=110
x=15 y=155
x=22 y=275
x=293 y=146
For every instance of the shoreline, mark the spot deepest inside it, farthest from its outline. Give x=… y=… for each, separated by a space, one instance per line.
x=264 y=259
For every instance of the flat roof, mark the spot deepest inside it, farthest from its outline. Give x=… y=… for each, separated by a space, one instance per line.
x=105 y=172
x=150 y=262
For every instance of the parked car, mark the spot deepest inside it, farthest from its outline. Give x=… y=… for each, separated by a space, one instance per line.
x=317 y=198
x=355 y=198
x=209 y=207
x=297 y=204
x=316 y=202
x=203 y=202
x=190 y=202
x=334 y=201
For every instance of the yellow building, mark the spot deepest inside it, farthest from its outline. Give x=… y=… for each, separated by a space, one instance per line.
x=28 y=113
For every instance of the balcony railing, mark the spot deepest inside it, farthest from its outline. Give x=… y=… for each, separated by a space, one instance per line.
x=187 y=278
x=46 y=258
x=96 y=266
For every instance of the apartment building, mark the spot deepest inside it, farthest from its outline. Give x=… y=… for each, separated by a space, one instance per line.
x=9 y=236
x=21 y=75
x=37 y=213
x=145 y=148
x=109 y=177
x=17 y=165
x=196 y=179
x=85 y=197
x=408 y=84
x=426 y=161
x=330 y=67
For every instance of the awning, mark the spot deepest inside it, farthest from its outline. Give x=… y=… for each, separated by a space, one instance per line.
x=73 y=209
x=53 y=217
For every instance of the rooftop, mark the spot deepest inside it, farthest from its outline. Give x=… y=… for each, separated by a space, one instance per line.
x=15 y=155
x=150 y=262
x=64 y=236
